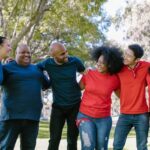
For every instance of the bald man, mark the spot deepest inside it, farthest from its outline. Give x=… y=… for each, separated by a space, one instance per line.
x=21 y=101
x=62 y=71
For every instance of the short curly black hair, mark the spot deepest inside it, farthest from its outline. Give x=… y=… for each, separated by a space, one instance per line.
x=2 y=38
x=113 y=58
x=137 y=50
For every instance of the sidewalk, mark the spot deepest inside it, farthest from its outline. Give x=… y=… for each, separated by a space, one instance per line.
x=42 y=144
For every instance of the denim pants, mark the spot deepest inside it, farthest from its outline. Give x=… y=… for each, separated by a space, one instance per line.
x=10 y=129
x=94 y=132
x=140 y=122
x=58 y=118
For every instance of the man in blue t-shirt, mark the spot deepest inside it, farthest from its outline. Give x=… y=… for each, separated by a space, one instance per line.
x=21 y=101
x=62 y=70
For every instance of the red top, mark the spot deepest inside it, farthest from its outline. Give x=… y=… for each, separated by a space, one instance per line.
x=148 y=83
x=133 y=84
x=96 y=100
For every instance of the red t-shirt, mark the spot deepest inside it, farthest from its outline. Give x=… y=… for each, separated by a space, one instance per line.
x=133 y=84
x=148 y=83
x=96 y=99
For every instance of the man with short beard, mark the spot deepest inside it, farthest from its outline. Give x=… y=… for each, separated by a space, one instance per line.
x=62 y=70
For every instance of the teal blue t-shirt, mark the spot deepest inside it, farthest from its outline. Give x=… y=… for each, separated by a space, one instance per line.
x=21 y=92
x=66 y=91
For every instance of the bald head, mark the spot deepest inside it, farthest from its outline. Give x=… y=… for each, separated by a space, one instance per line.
x=21 y=47
x=56 y=48
x=23 y=55
x=59 y=53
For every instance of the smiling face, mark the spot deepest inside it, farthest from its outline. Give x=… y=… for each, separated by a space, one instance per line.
x=59 y=53
x=101 y=66
x=5 y=49
x=129 y=58
x=23 y=55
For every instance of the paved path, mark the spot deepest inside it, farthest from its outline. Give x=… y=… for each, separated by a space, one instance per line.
x=42 y=144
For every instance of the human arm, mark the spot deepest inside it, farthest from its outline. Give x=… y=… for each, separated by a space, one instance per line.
x=148 y=85
x=46 y=82
x=81 y=84
x=80 y=66
x=117 y=93
x=42 y=65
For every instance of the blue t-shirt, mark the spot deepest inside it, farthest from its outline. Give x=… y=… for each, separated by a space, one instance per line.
x=1 y=73
x=66 y=91
x=21 y=92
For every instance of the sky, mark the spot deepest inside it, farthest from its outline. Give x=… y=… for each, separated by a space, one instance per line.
x=112 y=7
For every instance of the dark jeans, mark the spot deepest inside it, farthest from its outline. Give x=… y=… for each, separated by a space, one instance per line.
x=57 y=121
x=9 y=131
x=141 y=124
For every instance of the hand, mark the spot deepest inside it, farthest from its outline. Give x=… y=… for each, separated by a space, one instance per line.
x=9 y=59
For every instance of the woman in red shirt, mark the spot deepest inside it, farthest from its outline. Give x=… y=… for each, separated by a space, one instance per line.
x=94 y=117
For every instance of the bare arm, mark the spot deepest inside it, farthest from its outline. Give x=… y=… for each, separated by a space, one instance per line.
x=117 y=93
x=81 y=85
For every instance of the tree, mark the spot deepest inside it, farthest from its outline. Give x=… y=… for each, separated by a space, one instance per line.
x=40 y=22
x=134 y=23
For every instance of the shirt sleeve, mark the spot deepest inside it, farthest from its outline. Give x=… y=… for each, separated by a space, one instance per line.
x=117 y=85
x=41 y=65
x=46 y=82
x=1 y=74
x=80 y=66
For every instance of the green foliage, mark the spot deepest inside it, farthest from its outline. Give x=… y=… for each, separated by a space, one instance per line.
x=40 y=22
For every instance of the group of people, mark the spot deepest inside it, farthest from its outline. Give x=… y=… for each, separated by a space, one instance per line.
x=88 y=115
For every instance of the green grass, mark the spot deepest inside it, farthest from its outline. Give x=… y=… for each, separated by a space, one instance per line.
x=44 y=131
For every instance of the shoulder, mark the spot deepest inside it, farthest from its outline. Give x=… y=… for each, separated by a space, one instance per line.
x=90 y=72
x=47 y=60
x=10 y=64
x=144 y=63
x=74 y=58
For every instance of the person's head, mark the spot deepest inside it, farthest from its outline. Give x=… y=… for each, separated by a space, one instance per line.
x=109 y=59
x=133 y=54
x=5 y=47
x=23 y=55
x=59 y=53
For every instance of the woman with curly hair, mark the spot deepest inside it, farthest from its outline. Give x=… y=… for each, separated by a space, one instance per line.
x=94 y=118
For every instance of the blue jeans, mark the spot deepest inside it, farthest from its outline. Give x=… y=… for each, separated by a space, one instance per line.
x=94 y=132
x=10 y=129
x=140 y=122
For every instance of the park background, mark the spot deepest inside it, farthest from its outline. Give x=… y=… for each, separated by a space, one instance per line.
x=80 y=25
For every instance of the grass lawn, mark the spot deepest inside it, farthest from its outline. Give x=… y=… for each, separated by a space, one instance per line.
x=44 y=131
